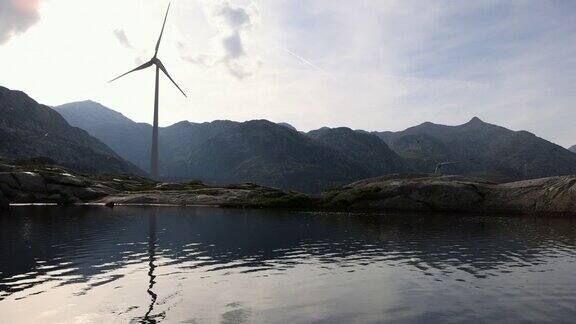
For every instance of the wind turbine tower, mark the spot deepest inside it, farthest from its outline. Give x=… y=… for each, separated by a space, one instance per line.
x=159 y=67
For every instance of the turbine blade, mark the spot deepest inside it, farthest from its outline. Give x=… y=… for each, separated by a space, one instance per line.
x=162 y=31
x=141 y=67
x=163 y=68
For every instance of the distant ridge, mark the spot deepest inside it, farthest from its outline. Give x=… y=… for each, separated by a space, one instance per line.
x=573 y=148
x=259 y=151
x=288 y=126
x=275 y=154
x=480 y=149
x=364 y=148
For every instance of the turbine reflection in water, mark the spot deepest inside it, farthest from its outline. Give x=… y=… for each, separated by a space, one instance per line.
x=152 y=240
x=282 y=267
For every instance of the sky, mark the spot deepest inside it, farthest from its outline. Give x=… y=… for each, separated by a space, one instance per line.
x=372 y=65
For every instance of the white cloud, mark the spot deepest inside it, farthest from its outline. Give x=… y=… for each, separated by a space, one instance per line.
x=16 y=16
x=122 y=38
x=233 y=24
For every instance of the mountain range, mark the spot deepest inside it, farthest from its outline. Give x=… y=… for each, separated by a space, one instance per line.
x=257 y=151
x=89 y=137
x=278 y=155
x=480 y=149
x=31 y=130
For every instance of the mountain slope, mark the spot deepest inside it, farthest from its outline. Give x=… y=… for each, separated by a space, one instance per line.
x=363 y=148
x=274 y=154
x=127 y=138
x=29 y=129
x=222 y=151
x=267 y=153
x=573 y=149
x=132 y=140
x=481 y=149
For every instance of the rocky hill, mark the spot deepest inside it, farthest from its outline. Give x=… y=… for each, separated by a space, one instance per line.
x=480 y=149
x=29 y=129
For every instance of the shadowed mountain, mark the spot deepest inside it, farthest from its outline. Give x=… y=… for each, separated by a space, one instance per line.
x=224 y=151
x=573 y=149
x=127 y=138
x=267 y=153
x=277 y=155
x=480 y=149
x=29 y=129
x=363 y=148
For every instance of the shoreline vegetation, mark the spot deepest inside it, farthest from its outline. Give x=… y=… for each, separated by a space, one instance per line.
x=39 y=181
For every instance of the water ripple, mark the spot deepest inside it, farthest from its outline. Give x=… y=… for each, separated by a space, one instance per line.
x=151 y=262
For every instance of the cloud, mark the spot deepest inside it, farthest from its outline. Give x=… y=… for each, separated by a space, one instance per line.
x=122 y=38
x=16 y=16
x=233 y=24
x=509 y=63
x=141 y=55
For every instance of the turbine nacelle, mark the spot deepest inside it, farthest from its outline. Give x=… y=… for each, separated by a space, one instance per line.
x=155 y=60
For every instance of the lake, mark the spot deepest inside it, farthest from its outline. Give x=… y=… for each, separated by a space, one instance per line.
x=210 y=265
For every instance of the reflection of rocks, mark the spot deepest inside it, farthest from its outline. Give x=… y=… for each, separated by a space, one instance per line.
x=423 y=192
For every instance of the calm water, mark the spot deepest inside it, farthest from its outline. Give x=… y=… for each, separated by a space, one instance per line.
x=204 y=265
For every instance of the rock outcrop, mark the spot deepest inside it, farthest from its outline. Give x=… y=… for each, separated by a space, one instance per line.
x=33 y=183
x=50 y=187
x=425 y=192
x=244 y=196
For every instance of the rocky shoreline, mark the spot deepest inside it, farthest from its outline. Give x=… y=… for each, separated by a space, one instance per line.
x=30 y=182
x=34 y=182
x=431 y=193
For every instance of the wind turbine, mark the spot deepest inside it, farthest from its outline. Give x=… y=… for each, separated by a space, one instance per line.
x=159 y=66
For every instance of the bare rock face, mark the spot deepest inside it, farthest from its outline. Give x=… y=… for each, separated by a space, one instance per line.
x=195 y=194
x=554 y=194
x=422 y=192
x=52 y=184
x=49 y=185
